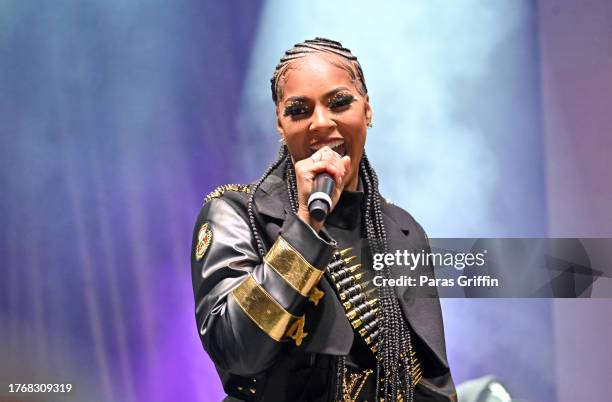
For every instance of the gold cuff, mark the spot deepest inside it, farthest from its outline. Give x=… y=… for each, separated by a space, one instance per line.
x=264 y=310
x=292 y=267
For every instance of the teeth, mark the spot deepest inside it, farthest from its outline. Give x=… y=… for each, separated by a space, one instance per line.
x=332 y=145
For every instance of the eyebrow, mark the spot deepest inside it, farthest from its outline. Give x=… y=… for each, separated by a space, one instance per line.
x=295 y=99
x=327 y=94
x=336 y=90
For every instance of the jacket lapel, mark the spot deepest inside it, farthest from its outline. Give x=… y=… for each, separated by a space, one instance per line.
x=271 y=199
x=420 y=305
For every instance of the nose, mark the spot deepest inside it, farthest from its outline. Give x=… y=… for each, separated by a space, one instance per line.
x=321 y=119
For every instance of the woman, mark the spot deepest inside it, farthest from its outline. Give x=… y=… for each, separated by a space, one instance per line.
x=285 y=305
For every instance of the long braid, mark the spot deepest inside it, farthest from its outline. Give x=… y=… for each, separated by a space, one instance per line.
x=378 y=245
x=406 y=341
x=291 y=186
x=397 y=345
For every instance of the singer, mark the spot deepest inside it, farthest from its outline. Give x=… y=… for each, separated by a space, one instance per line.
x=284 y=302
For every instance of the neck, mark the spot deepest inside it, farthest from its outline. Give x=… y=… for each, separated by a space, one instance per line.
x=352 y=184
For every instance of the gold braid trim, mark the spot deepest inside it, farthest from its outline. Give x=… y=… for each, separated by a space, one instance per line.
x=417 y=373
x=267 y=313
x=417 y=376
x=219 y=191
x=292 y=267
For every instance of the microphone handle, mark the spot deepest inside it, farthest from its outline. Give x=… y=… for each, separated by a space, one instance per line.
x=319 y=202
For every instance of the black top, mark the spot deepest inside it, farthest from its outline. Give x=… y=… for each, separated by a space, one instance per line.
x=344 y=224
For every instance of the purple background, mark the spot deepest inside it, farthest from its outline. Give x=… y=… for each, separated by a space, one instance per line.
x=118 y=117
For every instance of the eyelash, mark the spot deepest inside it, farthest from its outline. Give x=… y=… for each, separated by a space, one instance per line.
x=295 y=109
x=340 y=100
x=298 y=108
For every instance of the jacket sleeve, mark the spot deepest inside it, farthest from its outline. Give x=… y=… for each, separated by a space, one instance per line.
x=248 y=309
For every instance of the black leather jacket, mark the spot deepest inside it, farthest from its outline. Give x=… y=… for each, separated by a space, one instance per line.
x=258 y=320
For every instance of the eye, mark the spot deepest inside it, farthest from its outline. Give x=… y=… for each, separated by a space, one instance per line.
x=341 y=100
x=296 y=109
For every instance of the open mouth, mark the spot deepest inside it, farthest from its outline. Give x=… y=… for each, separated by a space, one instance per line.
x=336 y=145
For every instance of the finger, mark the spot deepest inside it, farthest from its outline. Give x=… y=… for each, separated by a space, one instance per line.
x=345 y=161
x=342 y=163
x=317 y=162
x=320 y=154
x=325 y=153
x=308 y=167
x=328 y=154
x=325 y=166
x=338 y=164
x=316 y=157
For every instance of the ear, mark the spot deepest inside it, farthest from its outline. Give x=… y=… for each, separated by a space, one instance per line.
x=368 y=110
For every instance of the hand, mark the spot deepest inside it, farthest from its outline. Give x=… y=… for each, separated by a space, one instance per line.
x=324 y=160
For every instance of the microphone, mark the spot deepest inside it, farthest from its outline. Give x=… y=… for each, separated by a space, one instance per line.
x=319 y=202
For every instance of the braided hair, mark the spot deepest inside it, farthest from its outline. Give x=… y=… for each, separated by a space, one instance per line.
x=396 y=346
x=317 y=45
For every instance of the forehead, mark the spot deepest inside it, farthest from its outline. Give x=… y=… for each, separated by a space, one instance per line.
x=316 y=74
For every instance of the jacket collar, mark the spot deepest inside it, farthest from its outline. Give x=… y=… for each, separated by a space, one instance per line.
x=420 y=305
x=274 y=201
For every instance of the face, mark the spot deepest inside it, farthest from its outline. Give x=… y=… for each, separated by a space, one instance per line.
x=320 y=105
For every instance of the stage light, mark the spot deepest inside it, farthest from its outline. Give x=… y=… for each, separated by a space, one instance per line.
x=484 y=389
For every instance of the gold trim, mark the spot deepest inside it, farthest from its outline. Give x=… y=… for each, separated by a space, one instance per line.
x=348 y=260
x=352 y=384
x=292 y=267
x=417 y=374
x=218 y=192
x=345 y=251
x=263 y=309
x=316 y=295
x=204 y=240
x=296 y=331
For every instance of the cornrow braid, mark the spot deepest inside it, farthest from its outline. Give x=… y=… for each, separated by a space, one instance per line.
x=321 y=45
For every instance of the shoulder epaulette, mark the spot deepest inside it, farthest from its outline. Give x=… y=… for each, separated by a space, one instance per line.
x=218 y=192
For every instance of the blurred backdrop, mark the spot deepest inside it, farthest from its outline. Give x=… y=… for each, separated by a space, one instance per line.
x=118 y=117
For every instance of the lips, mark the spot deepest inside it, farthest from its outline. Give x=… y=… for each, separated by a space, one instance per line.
x=336 y=145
